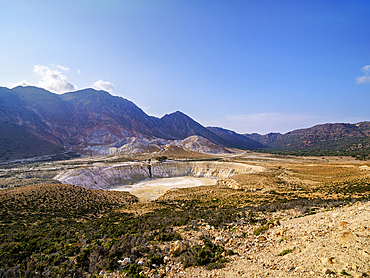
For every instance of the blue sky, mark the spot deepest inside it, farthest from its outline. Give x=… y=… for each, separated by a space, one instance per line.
x=249 y=66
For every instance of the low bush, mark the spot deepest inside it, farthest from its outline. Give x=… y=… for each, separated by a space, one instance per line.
x=286 y=251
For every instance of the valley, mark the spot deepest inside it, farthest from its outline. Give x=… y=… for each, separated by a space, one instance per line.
x=184 y=139
x=92 y=186
x=221 y=228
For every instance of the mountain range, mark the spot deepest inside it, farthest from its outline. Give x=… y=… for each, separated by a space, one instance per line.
x=36 y=122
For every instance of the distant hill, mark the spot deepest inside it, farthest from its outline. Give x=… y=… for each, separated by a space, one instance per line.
x=180 y=126
x=52 y=123
x=235 y=140
x=325 y=139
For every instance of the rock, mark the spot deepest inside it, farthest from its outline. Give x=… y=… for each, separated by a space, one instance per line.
x=276 y=222
x=125 y=261
x=229 y=182
x=347 y=237
x=140 y=262
x=365 y=253
x=218 y=239
x=329 y=260
x=271 y=226
x=166 y=259
x=343 y=223
x=299 y=268
x=178 y=246
x=360 y=275
x=327 y=271
x=282 y=232
x=261 y=238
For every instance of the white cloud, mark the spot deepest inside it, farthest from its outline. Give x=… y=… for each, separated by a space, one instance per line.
x=264 y=122
x=63 y=68
x=366 y=77
x=103 y=85
x=23 y=83
x=53 y=80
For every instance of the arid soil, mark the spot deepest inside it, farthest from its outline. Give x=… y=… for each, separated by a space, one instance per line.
x=333 y=243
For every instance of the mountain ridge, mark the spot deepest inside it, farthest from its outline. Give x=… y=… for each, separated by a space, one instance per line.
x=88 y=117
x=52 y=123
x=322 y=139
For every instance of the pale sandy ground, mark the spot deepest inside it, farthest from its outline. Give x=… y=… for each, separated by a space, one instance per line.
x=152 y=189
x=334 y=243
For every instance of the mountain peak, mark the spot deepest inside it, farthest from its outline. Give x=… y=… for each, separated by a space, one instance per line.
x=177 y=114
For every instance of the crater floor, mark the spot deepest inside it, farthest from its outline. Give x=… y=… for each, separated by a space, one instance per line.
x=152 y=189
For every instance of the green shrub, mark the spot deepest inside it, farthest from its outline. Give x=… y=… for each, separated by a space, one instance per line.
x=286 y=251
x=134 y=270
x=198 y=255
x=264 y=227
x=215 y=266
x=71 y=249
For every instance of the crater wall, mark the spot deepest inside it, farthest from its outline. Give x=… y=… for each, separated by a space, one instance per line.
x=108 y=177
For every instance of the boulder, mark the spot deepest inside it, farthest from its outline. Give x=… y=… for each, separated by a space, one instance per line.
x=347 y=237
x=178 y=246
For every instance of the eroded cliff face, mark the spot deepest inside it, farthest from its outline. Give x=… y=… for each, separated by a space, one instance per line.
x=108 y=177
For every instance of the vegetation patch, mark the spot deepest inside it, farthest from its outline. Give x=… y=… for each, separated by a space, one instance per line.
x=203 y=255
x=286 y=251
x=264 y=227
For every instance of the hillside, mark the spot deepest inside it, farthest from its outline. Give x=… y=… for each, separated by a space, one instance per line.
x=236 y=140
x=19 y=142
x=326 y=139
x=180 y=126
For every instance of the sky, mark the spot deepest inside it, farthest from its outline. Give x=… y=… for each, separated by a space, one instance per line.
x=249 y=66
